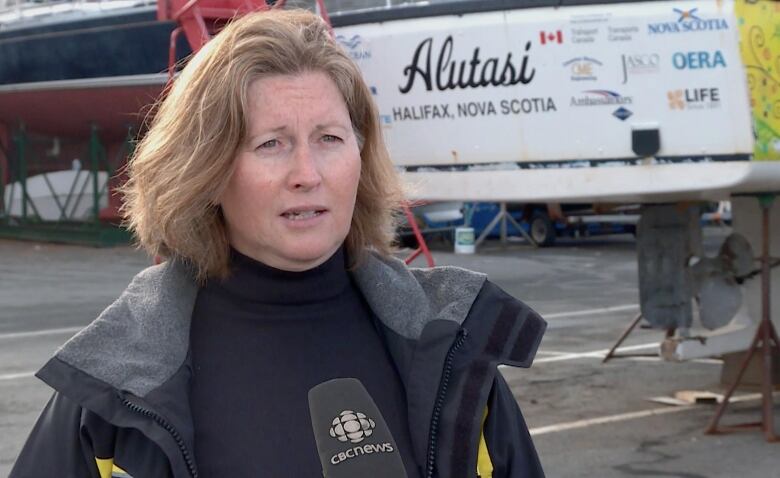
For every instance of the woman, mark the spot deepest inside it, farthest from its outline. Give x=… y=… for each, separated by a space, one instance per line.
x=264 y=181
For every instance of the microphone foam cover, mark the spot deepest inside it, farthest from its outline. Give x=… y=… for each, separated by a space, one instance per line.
x=352 y=437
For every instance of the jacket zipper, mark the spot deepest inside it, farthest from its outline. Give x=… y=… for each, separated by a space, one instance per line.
x=439 y=403
x=168 y=427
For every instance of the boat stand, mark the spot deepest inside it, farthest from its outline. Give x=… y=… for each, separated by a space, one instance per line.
x=503 y=217
x=765 y=335
x=422 y=246
x=612 y=352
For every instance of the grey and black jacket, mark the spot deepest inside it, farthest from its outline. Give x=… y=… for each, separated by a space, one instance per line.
x=121 y=401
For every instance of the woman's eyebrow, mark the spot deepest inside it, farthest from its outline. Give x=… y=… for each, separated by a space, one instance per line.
x=331 y=124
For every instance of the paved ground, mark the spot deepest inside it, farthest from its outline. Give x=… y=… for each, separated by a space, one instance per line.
x=588 y=419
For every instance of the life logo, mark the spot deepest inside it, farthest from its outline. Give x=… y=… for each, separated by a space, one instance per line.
x=694 y=98
x=688 y=21
x=354 y=46
x=698 y=60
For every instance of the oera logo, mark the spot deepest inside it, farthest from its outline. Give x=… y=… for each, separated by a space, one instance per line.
x=698 y=60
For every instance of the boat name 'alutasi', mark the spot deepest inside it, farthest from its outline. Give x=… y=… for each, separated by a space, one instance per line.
x=452 y=74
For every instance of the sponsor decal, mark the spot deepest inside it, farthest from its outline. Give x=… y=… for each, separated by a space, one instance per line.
x=584 y=35
x=582 y=68
x=449 y=73
x=622 y=113
x=550 y=37
x=618 y=34
x=640 y=64
x=694 y=98
x=354 y=47
x=688 y=21
x=698 y=60
x=600 y=98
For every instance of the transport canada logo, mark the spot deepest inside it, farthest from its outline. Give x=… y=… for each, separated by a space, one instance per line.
x=352 y=426
x=688 y=21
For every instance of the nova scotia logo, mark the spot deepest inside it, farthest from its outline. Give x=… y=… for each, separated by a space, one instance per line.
x=687 y=14
x=354 y=47
x=688 y=21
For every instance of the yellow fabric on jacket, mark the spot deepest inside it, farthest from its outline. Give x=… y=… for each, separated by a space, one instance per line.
x=108 y=469
x=484 y=463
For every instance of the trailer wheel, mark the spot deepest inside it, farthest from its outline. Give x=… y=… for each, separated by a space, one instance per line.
x=542 y=229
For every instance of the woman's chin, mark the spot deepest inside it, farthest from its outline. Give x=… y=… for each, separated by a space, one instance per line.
x=307 y=257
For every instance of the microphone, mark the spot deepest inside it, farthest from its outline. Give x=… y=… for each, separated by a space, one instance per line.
x=352 y=437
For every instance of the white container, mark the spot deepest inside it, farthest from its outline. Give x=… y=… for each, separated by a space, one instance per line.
x=464 y=240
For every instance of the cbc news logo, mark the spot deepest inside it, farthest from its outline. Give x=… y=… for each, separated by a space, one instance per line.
x=352 y=426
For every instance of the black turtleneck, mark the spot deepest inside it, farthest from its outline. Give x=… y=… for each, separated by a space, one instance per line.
x=259 y=341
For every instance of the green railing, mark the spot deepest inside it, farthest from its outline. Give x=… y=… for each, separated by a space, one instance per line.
x=59 y=189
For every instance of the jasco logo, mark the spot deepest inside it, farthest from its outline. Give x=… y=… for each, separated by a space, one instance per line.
x=698 y=60
x=354 y=46
x=640 y=64
x=688 y=21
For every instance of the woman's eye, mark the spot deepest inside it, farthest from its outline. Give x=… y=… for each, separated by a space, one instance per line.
x=272 y=143
x=329 y=138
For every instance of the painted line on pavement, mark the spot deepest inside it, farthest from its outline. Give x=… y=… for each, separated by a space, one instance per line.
x=603 y=310
x=628 y=416
x=16 y=376
x=39 y=333
x=594 y=354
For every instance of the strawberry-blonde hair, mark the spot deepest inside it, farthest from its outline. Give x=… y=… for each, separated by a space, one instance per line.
x=183 y=163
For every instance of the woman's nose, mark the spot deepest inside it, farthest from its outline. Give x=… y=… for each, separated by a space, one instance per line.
x=305 y=174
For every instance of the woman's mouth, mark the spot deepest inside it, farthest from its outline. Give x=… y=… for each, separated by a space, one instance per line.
x=302 y=215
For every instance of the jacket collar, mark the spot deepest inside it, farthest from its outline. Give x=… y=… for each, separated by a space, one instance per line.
x=142 y=339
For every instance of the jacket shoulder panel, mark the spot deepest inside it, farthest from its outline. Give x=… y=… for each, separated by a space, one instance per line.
x=141 y=339
x=406 y=299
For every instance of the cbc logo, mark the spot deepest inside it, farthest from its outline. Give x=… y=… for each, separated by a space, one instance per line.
x=352 y=426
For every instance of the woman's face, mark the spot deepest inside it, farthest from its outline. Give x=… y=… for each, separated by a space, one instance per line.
x=290 y=200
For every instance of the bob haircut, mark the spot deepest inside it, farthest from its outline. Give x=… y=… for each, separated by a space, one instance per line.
x=184 y=162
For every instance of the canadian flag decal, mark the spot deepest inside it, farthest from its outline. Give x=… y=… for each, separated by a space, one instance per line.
x=551 y=37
